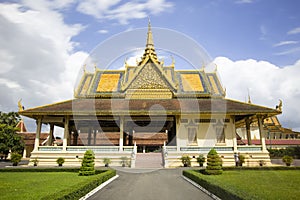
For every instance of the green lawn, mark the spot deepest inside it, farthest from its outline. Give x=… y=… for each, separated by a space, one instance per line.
x=259 y=184
x=36 y=185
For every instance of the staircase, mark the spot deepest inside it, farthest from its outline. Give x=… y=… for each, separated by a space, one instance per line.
x=148 y=160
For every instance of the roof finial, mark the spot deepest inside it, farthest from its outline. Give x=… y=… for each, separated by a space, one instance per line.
x=279 y=106
x=149 y=36
x=249 y=99
x=20 y=106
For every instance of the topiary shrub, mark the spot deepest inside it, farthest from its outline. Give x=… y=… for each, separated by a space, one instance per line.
x=287 y=160
x=201 y=160
x=106 y=162
x=124 y=161
x=186 y=160
x=214 y=163
x=15 y=158
x=88 y=164
x=60 y=161
x=241 y=159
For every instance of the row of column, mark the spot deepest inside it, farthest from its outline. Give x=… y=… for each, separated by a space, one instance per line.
x=248 y=131
x=66 y=133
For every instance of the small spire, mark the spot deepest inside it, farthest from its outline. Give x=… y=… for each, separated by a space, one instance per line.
x=150 y=43
x=249 y=99
x=149 y=50
x=95 y=66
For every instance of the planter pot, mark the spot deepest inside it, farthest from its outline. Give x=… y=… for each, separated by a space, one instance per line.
x=201 y=164
x=59 y=165
x=288 y=164
x=106 y=165
x=15 y=164
x=35 y=164
x=123 y=165
x=185 y=165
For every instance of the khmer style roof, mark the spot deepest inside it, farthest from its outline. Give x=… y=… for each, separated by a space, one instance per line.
x=136 y=89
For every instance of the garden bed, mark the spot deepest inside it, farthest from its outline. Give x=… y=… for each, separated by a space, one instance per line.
x=257 y=184
x=49 y=183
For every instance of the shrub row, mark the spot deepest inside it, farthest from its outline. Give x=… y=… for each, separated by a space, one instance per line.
x=279 y=153
x=216 y=190
x=79 y=190
x=39 y=169
x=262 y=168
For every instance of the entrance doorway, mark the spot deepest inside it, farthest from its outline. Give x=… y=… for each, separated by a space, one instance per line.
x=150 y=132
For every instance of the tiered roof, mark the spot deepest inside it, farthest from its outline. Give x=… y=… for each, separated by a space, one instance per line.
x=149 y=79
x=136 y=89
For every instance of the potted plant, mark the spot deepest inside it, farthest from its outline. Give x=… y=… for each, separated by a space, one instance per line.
x=106 y=161
x=201 y=160
x=261 y=163
x=287 y=160
x=35 y=162
x=241 y=160
x=186 y=161
x=124 y=161
x=15 y=158
x=60 y=161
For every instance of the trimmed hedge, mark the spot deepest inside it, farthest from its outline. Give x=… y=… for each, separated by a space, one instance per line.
x=40 y=169
x=82 y=189
x=216 y=190
x=262 y=168
x=290 y=151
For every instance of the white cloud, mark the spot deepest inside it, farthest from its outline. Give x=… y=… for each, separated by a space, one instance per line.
x=244 y=1
x=267 y=84
x=283 y=43
x=122 y=12
x=102 y=31
x=294 y=31
x=38 y=62
x=287 y=52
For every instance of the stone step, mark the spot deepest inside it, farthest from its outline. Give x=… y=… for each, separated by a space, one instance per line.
x=148 y=160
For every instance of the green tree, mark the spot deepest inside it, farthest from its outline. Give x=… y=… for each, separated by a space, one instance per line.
x=10 y=141
x=87 y=164
x=214 y=163
x=10 y=119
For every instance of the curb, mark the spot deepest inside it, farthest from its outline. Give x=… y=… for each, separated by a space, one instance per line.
x=99 y=188
x=201 y=188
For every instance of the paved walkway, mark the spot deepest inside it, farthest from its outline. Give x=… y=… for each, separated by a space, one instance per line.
x=158 y=184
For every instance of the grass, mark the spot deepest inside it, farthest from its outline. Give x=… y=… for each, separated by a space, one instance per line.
x=36 y=185
x=258 y=184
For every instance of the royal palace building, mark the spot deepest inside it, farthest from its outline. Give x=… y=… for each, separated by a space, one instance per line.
x=149 y=107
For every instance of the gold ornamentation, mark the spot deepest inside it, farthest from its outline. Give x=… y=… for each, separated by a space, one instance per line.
x=20 y=106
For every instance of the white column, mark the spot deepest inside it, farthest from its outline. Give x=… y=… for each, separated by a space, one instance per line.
x=66 y=133
x=262 y=133
x=235 y=149
x=121 y=133
x=38 y=133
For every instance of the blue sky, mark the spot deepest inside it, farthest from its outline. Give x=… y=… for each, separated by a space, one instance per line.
x=255 y=44
x=260 y=29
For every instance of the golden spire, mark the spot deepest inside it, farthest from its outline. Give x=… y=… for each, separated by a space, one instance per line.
x=149 y=50
x=150 y=43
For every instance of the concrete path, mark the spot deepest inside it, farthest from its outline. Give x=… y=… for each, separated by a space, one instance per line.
x=158 y=184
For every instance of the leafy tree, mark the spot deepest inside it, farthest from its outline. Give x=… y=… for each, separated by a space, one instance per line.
x=87 y=164
x=10 y=119
x=9 y=139
x=214 y=163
